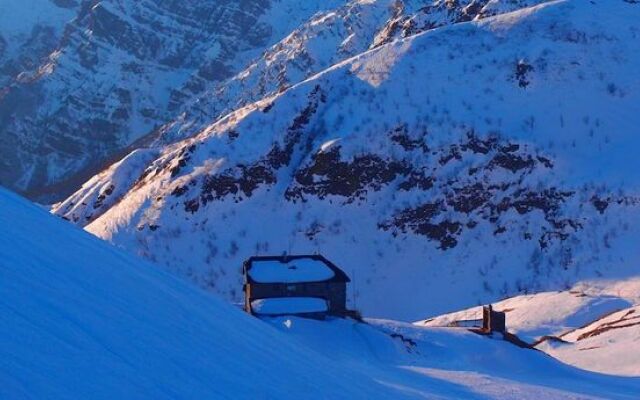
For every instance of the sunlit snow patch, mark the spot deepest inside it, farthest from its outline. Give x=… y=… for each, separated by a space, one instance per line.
x=299 y=270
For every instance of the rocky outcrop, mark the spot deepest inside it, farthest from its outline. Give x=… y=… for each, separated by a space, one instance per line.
x=407 y=21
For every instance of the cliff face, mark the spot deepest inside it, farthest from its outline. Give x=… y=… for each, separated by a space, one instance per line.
x=460 y=164
x=29 y=32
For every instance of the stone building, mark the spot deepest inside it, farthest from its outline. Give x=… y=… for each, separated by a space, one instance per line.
x=304 y=285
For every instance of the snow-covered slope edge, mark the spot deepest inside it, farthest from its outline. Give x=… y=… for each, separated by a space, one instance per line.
x=593 y=326
x=79 y=319
x=462 y=165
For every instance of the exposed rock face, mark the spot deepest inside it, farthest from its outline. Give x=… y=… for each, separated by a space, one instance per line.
x=407 y=21
x=424 y=164
x=328 y=175
x=29 y=32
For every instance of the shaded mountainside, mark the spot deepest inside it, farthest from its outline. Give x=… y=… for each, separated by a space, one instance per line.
x=29 y=31
x=114 y=75
x=461 y=165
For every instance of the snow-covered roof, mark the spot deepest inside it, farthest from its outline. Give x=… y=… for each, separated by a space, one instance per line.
x=292 y=269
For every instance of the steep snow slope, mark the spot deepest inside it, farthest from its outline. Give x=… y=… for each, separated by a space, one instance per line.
x=79 y=319
x=113 y=76
x=591 y=327
x=454 y=167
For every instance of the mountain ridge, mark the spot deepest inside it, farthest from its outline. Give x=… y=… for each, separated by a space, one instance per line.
x=113 y=75
x=73 y=111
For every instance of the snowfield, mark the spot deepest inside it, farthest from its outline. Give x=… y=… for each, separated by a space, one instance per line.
x=80 y=319
x=451 y=363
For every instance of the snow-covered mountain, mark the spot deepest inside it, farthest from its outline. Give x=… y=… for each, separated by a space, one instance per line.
x=455 y=166
x=29 y=31
x=80 y=319
x=327 y=38
x=114 y=75
x=75 y=102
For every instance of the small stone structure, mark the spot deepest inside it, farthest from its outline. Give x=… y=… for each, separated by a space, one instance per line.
x=303 y=285
x=493 y=321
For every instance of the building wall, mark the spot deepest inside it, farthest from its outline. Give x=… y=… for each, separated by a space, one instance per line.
x=334 y=292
